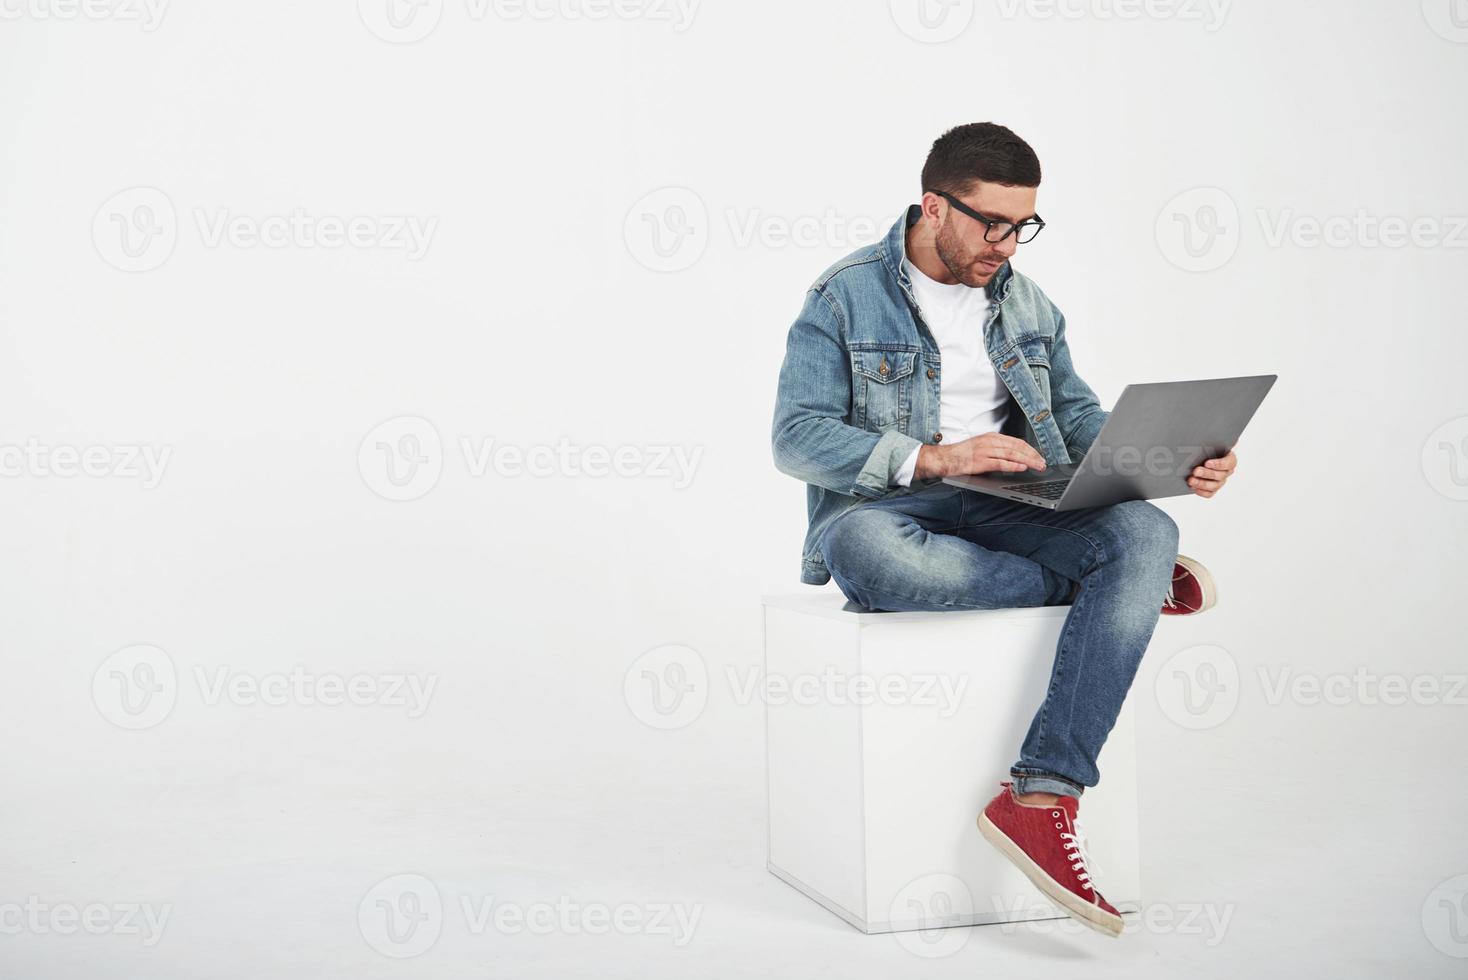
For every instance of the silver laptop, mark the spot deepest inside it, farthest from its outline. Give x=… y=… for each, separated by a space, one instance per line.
x=1148 y=447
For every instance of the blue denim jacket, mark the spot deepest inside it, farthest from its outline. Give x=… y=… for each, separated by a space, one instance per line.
x=859 y=387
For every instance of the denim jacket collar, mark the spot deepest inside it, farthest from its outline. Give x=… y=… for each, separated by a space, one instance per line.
x=893 y=250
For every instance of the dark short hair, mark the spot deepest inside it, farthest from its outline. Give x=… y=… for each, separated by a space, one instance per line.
x=979 y=151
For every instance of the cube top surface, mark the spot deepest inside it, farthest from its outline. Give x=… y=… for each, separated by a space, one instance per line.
x=830 y=604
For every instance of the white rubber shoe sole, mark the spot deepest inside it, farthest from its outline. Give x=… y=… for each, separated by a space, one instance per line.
x=1084 y=912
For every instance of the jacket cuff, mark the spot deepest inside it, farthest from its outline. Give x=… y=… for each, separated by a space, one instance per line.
x=884 y=463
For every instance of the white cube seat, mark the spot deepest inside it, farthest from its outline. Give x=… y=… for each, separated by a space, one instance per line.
x=886 y=733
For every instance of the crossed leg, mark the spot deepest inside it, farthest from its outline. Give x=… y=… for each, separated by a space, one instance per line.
x=942 y=547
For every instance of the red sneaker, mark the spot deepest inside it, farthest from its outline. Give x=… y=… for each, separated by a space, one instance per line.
x=1192 y=589
x=1043 y=842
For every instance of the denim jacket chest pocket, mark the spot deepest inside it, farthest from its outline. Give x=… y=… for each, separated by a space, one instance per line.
x=881 y=387
x=1036 y=352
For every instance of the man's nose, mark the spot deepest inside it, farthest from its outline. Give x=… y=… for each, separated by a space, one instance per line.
x=1007 y=247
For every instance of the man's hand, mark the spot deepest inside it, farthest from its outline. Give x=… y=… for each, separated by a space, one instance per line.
x=988 y=453
x=1209 y=478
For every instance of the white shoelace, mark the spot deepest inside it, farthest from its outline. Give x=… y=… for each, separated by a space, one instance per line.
x=1079 y=851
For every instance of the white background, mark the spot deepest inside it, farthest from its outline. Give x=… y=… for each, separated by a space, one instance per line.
x=541 y=312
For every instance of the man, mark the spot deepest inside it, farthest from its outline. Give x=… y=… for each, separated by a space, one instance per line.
x=926 y=355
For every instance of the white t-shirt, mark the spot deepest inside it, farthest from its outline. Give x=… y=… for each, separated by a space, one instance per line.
x=972 y=398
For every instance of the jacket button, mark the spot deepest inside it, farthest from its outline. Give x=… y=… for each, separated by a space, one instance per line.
x=883 y=369
x=1009 y=364
x=937 y=437
x=932 y=374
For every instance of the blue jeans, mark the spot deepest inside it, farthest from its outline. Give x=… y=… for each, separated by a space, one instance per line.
x=943 y=547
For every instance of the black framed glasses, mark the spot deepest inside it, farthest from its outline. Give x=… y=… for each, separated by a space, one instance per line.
x=996 y=230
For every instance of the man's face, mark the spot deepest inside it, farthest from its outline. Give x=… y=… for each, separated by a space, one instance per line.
x=960 y=239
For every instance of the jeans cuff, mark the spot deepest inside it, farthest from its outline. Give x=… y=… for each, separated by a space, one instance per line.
x=1039 y=781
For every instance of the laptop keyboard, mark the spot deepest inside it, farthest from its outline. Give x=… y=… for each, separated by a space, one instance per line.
x=1051 y=490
